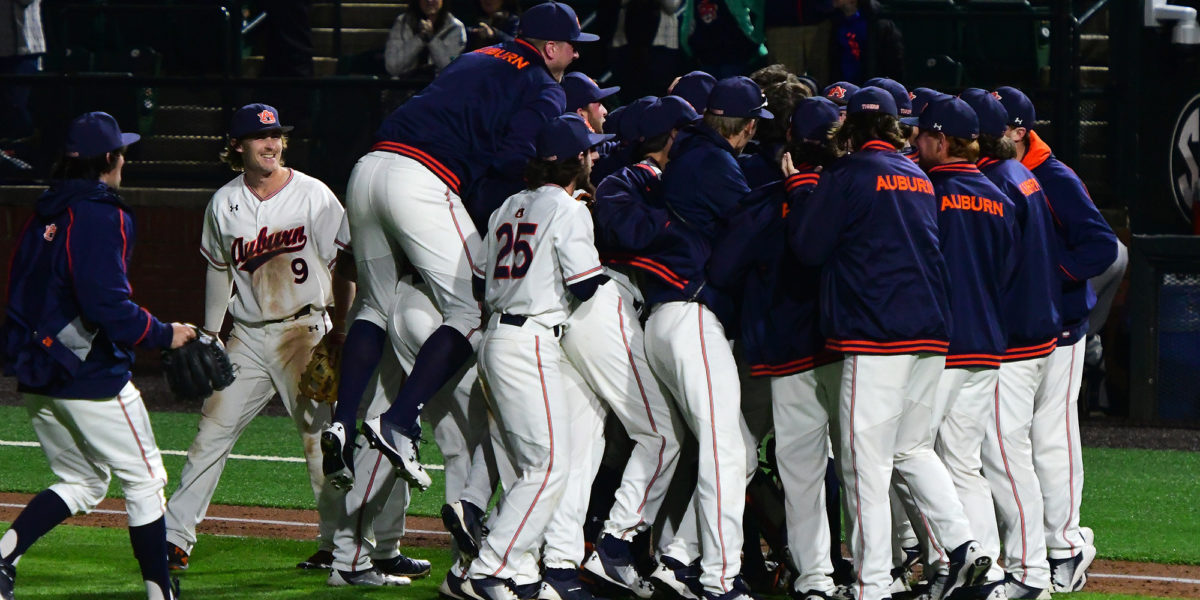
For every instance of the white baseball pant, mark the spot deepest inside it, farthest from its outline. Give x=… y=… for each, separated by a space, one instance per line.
x=268 y=360
x=605 y=343
x=1009 y=469
x=1057 y=454
x=885 y=413
x=688 y=351
x=88 y=441
x=399 y=210
x=802 y=405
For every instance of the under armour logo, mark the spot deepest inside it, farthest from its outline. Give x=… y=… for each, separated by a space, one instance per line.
x=937 y=126
x=266 y=117
x=1018 y=120
x=233 y=207
x=314 y=328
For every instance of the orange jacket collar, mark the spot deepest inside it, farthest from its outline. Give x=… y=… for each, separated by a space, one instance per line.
x=1037 y=153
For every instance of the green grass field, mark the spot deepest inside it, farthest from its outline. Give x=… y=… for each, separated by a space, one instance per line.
x=1141 y=504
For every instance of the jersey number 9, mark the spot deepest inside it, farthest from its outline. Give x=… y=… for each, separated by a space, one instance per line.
x=300 y=270
x=519 y=248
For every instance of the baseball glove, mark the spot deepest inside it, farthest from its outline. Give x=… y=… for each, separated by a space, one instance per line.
x=197 y=368
x=320 y=378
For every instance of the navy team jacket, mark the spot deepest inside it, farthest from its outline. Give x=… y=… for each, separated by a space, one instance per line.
x=634 y=229
x=977 y=230
x=71 y=325
x=474 y=126
x=872 y=226
x=1033 y=295
x=780 y=328
x=1086 y=244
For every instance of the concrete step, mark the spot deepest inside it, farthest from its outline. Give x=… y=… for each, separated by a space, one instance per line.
x=355 y=40
x=188 y=96
x=357 y=14
x=201 y=148
x=1093 y=76
x=1098 y=23
x=1095 y=137
x=174 y=119
x=323 y=66
x=1093 y=49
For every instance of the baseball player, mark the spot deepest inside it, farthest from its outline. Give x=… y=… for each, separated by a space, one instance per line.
x=694 y=87
x=1031 y=317
x=685 y=333
x=271 y=230
x=67 y=279
x=839 y=93
x=466 y=136
x=604 y=341
x=584 y=99
x=540 y=245
x=978 y=234
x=874 y=213
x=782 y=341
x=1086 y=248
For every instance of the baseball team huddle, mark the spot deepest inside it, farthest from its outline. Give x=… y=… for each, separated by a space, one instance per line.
x=893 y=287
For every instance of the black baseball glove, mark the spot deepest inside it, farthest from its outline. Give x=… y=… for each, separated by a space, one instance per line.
x=197 y=368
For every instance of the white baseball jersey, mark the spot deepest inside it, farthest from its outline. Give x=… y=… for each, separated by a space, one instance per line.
x=539 y=242
x=281 y=248
x=343 y=235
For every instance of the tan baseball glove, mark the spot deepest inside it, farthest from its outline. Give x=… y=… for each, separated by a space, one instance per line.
x=320 y=378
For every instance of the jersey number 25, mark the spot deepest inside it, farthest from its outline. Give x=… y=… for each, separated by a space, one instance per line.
x=520 y=249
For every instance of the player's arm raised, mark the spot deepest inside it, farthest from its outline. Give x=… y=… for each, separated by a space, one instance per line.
x=98 y=247
x=540 y=106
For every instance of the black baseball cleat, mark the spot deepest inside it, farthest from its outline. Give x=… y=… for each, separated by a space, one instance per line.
x=337 y=456
x=612 y=562
x=177 y=559
x=968 y=568
x=174 y=589
x=321 y=559
x=399 y=449
x=464 y=521
x=8 y=578
x=403 y=566
x=564 y=584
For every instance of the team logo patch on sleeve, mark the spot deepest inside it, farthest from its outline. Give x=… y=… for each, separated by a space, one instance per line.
x=48 y=234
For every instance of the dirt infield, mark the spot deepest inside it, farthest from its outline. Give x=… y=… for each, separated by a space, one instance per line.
x=1107 y=576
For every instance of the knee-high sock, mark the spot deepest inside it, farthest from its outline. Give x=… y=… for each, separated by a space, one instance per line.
x=440 y=357
x=149 y=543
x=42 y=514
x=360 y=356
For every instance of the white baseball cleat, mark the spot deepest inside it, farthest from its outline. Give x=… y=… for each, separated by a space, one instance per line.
x=1070 y=574
x=399 y=449
x=968 y=568
x=369 y=578
x=336 y=457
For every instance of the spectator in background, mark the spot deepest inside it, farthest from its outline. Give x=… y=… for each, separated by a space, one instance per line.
x=497 y=23
x=22 y=44
x=859 y=35
x=798 y=35
x=423 y=40
x=725 y=37
x=646 y=46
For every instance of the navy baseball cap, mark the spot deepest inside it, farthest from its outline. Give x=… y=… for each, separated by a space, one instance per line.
x=253 y=118
x=738 y=97
x=613 y=120
x=871 y=99
x=993 y=118
x=565 y=137
x=921 y=97
x=952 y=117
x=1019 y=106
x=553 y=21
x=839 y=92
x=813 y=117
x=582 y=90
x=629 y=129
x=810 y=83
x=695 y=88
x=94 y=134
x=899 y=94
x=667 y=113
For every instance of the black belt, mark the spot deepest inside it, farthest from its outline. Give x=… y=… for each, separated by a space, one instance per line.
x=519 y=321
x=300 y=313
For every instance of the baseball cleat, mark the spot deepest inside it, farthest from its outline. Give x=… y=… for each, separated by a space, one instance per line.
x=177 y=559
x=612 y=562
x=934 y=590
x=494 y=588
x=337 y=457
x=464 y=521
x=1019 y=591
x=677 y=579
x=809 y=595
x=563 y=584
x=968 y=568
x=452 y=587
x=740 y=591
x=321 y=559
x=403 y=566
x=1070 y=574
x=8 y=578
x=368 y=578
x=399 y=449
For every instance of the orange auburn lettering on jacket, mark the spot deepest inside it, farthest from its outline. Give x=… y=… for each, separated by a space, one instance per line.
x=505 y=55
x=1029 y=186
x=903 y=183
x=972 y=203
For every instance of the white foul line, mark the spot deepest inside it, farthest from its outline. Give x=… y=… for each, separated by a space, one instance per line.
x=1145 y=577
x=104 y=511
x=256 y=457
